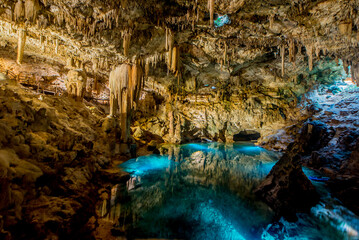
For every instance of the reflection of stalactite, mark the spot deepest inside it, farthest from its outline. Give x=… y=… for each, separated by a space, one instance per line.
x=310 y=56
x=282 y=54
x=211 y=11
x=171 y=125
x=125 y=85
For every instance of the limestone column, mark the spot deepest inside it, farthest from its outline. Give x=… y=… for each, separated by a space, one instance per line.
x=21 y=45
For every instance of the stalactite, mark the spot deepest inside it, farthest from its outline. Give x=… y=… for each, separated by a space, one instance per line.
x=271 y=21
x=171 y=41
x=21 y=45
x=31 y=9
x=167 y=39
x=147 y=68
x=211 y=11
x=291 y=50
x=175 y=59
x=282 y=54
x=309 y=49
x=126 y=42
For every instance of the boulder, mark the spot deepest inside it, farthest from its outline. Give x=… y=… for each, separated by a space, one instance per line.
x=286 y=189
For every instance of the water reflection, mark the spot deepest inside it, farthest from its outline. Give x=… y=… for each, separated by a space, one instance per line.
x=204 y=191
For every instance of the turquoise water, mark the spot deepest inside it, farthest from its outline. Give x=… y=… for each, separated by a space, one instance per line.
x=205 y=191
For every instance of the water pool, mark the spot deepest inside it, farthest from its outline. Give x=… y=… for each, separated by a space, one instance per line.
x=205 y=191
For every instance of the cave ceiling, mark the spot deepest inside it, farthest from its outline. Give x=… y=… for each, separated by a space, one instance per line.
x=94 y=33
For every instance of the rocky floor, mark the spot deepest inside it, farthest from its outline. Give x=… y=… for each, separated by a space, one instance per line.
x=53 y=152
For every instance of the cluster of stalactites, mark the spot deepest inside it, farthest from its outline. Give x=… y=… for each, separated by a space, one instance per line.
x=26 y=11
x=173 y=57
x=126 y=82
x=186 y=21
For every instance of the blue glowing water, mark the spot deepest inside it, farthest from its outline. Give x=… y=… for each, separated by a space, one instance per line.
x=205 y=191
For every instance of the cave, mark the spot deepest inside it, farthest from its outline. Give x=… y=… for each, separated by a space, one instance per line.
x=156 y=119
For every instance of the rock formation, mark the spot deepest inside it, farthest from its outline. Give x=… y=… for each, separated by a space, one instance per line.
x=76 y=83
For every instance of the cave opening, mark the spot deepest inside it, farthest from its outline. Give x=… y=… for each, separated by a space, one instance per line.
x=246 y=135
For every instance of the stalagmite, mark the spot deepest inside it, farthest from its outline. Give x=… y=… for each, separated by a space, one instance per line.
x=125 y=85
x=310 y=56
x=21 y=45
x=282 y=54
x=211 y=11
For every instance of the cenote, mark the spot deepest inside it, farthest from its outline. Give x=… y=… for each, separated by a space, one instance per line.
x=205 y=191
